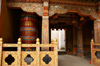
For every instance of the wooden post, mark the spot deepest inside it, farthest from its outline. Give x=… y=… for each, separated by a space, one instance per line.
x=74 y=41
x=38 y=51
x=97 y=26
x=1 y=41
x=92 y=47
x=52 y=41
x=19 y=52
x=45 y=25
x=79 y=42
x=97 y=31
x=56 y=52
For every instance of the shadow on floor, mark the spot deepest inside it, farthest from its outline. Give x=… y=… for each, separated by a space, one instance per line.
x=70 y=60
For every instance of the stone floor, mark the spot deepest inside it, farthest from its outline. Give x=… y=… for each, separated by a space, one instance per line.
x=70 y=60
x=61 y=50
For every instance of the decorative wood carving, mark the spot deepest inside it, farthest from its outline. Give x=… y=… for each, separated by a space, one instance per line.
x=38 y=55
x=81 y=10
x=28 y=7
x=84 y=9
x=45 y=24
x=94 y=60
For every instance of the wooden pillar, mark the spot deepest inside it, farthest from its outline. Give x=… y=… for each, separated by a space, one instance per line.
x=1 y=41
x=38 y=51
x=74 y=41
x=92 y=48
x=19 y=52
x=79 y=42
x=70 y=38
x=97 y=26
x=56 y=52
x=96 y=31
x=1 y=14
x=45 y=25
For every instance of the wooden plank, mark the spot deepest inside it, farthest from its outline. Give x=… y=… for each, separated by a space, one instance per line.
x=48 y=45
x=14 y=54
x=29 y=45
x=96 y=44
x=96 y=49
x=19 y=53
x=37 y=55
x=0 y=53
x=10 y=45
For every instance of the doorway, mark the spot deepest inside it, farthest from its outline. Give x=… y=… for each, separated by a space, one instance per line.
x=60 y=36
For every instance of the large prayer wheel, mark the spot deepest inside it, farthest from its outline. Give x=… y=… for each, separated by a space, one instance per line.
x=28 y=28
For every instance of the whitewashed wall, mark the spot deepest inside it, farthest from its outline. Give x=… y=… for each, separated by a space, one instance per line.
x=60 y=36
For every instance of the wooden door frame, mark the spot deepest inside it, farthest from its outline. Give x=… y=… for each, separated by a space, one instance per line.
x=65 y=37
x=1 y=17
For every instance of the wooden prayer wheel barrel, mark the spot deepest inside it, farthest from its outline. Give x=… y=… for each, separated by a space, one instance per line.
x=28 y=28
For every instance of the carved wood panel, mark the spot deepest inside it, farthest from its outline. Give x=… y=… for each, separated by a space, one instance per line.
x=6 y=54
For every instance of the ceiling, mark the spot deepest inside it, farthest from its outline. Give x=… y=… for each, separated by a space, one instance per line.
x=62 y=21
x=78 y=0
x=52 y=0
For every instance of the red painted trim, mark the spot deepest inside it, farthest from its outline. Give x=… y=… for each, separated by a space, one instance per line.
x=1 y=17
x=29 y=19
x=1 y=26
x=29 y=26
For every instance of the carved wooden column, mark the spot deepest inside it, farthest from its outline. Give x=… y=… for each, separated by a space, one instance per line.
x=70 y=38
x=38 y=50
x=74 y=41
x=19 y=52
x=79 y=42
x=97 y=27
x=45 y=24
x=56 y=52
x=97 y=31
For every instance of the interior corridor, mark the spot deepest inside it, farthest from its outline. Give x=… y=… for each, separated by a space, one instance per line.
x=70 y=60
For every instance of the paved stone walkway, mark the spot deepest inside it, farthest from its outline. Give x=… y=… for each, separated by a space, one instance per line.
x=70 y=60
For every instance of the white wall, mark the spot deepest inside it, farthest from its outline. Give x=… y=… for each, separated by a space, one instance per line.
x=63 y=38
x=60 y=36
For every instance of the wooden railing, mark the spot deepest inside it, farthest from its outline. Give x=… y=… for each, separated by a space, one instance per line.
x=40 y=58
x=95 y=47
